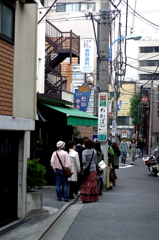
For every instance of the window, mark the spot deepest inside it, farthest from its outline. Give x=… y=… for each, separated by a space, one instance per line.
x=149 y=63
x=149 y=76
x=149 y=49
x=157 y=104
x=74 y=7
x=6 y=22
x=158 y=87
x=111 y=94
x=122 y=121
x=157 y=113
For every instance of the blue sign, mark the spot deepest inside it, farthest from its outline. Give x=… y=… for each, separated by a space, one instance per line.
x=81 y=97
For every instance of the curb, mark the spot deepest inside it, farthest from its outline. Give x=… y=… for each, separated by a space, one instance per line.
x=57 y=215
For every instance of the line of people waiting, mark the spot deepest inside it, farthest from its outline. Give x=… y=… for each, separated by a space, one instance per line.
x=77 y=157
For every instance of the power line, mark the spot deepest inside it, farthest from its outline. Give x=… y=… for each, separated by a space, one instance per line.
x=47 y=11
x=141 y=16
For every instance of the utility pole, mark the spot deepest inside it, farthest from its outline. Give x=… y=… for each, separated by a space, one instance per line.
x=116 y=93
x=103 y=73
x=150 y=120
x=138 y=114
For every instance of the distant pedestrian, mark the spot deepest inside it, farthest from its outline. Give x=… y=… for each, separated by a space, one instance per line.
x=141 y=146
x=61 y=181
x=75 y=167
x=117 y=154
x=124 y=148
x=100 y=174
x=80 y=148
x=133 y=150
x=89 y=190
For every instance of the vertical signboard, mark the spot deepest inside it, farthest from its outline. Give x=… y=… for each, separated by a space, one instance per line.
x=114 y=128
x=102 y=116
x=87 y=55
x=82 y=95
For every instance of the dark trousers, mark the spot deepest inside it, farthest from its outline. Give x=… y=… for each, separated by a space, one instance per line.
x=72 y=189
x=100 y=182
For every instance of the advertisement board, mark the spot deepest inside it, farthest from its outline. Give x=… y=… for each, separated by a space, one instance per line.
x=102 y=116
x=87 y=55
x=81 y=97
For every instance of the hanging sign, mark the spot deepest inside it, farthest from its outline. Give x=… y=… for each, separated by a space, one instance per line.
x=87 y=55
x=113 y=128
x=81 y=97
x=102 y=116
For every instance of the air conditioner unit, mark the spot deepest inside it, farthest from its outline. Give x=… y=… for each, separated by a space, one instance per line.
x=29 y=1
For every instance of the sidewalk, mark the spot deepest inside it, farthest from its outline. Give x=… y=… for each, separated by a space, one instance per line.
x=37 y=222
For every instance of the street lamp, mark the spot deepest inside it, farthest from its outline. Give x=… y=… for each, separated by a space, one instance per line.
x=134 y=37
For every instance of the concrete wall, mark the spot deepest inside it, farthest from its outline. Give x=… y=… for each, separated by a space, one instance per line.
x=41 y=51
x=25 y=61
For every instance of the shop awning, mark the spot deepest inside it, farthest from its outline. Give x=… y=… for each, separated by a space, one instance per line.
x=75 y=116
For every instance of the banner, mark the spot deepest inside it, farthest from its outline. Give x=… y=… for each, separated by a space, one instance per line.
x=87 y=55
x=81 y=97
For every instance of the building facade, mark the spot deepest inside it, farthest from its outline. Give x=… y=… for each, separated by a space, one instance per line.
x=18 y=61
x=148 y=76
x=124 y=123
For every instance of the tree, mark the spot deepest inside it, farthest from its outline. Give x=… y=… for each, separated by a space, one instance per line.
x=134 y=106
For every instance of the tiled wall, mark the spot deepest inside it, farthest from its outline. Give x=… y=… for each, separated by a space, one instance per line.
x=6 y=77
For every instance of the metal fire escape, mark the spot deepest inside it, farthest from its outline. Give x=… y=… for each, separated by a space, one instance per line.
x=59 y=46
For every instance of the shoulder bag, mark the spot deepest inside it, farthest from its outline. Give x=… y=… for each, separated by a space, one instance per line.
x=86 y=172
x=101 y=165
x=66 y=170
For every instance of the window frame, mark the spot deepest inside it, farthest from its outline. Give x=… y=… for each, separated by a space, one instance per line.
x=2 y=35
x=149 y=63
x=74 y=3
x=149 y=49
x=144 y=77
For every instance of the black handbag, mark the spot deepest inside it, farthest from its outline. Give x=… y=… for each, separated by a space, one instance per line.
x=66 y=170
x=86 y=171
x=113 y=176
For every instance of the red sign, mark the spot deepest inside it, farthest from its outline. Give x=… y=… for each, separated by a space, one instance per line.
x=144 y=99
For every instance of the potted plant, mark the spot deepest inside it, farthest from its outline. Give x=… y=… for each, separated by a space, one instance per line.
x=35 y=179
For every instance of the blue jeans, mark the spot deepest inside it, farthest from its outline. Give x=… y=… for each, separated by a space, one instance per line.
x=61 y=185
x=132 y=158
x=123 y=157
x=141 y=150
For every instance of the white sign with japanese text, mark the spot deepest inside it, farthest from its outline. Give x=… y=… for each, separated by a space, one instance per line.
x=102 y=116
x=87 y=55
x=114 y=128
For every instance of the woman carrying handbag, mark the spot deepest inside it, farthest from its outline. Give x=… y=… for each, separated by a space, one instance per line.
x=89 y=190
x=61 y=180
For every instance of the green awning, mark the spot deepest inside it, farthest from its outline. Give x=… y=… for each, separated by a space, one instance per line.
x=75 y=116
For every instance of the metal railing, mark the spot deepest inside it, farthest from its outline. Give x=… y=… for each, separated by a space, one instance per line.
x=62 y=40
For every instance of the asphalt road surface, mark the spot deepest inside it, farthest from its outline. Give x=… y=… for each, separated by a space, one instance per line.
x=130 y=211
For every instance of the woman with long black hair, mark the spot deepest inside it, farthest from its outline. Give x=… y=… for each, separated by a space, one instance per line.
x=100 y=157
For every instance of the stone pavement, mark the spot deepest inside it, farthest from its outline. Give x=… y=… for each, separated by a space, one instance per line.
x=37 y=221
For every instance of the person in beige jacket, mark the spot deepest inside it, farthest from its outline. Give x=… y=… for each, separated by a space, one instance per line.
x=75 y=167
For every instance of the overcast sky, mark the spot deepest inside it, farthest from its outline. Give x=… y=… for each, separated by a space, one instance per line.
x=149 y=9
